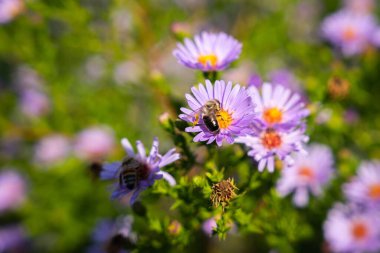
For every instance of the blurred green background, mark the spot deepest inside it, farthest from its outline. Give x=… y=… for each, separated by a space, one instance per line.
x=109 y=63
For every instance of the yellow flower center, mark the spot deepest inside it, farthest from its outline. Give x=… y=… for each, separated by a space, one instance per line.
x=359 y=230
x=349 y=33
x=208 y=60
x=374 y=191
x=272 y=115
x=224 y=119
x=306 y=173
x=270 y=139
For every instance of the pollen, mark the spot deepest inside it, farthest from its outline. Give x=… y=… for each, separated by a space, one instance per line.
x=359 y=230
x=349 y=33
x=374 y=191
x=208 y=60
x=223 y=192
x=271 y=139
x=224 y=119
x=272 y=115
x=306 y=173
x=196 y=119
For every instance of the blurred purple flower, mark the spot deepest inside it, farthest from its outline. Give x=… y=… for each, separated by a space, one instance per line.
x=376 y=37
x=309 y=173
x=34 y=103
x=208 y=226
x=128 y=72
x=27 y=78
x=234 y=116
x=365 y=187
x=351 y=116
x=287 y=79
x=277 y=106
x=94 y=68
x=11 y=237
x=270 y=143
x=10 y=9
x=323 y=116
x=148 y=169
x=51 y=149
x=106 y=232
x=94 y=143
x=360 y=6
x=255 y=80
x=208 y=51
x=12 y=190
x=349 y=31
x=350 y=230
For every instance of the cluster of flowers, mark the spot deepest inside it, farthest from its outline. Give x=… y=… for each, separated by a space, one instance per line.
x=92 y=145
x=353 y=28
x=355 y=226
x=270 y=121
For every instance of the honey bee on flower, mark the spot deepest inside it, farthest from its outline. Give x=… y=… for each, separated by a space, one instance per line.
x=138 y=171
x=218 y=112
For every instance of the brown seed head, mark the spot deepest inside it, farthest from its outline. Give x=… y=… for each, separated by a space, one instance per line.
x=338 y=88
x=223 y=192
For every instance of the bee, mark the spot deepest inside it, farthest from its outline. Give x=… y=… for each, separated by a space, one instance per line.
x=209 y=113
x=129 y=173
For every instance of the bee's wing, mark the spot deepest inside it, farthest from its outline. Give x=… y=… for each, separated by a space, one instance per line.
x=110 y=170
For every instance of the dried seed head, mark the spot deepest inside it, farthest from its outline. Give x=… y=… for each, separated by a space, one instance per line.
x=338 y=88
x=223 y=192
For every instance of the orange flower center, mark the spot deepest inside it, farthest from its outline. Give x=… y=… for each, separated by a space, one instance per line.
x=208 y=60
x=374 y=191
x=272 y=115
x=224 y=119
x=17 y=8
x=270 y=139
x=306 y=173
x=349 y=34
x=359 y=230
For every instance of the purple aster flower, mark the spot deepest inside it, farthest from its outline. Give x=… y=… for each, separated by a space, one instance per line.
x=350 y=230
x=208 y=226
x=94 y=143
x=9 y=9
x=351 y=116
x=34 y=103
x=271 y=143
x=349 y=31
x=138 y=171
x=12 y=190
x=309 y=172
x=51 y=149
x=278 y=106
x=11 y=238
x=208 y=51
x=365 y=187
x=218 y=112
